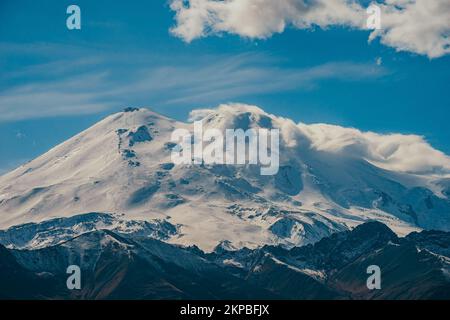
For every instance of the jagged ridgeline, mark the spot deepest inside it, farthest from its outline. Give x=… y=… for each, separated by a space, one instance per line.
x=117 y=264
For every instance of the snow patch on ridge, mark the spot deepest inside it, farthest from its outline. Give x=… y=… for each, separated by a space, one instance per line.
x=54 y=231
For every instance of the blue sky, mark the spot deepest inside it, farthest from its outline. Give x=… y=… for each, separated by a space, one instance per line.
x=55 y=82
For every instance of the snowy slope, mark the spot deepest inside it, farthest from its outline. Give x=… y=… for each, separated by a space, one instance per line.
x=122 y=165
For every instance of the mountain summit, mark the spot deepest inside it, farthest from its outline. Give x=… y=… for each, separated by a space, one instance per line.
x=329 y=180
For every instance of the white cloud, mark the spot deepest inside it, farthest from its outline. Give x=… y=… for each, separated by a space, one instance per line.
x=199 y=114
x=396 y=152
x=259 y=18
x=420 y=26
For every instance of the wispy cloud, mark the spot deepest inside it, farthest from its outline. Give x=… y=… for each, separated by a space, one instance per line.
x=89 y=85
x=81 y=94
x=241 y=80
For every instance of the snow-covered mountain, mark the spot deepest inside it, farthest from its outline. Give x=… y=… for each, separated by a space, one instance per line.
x=118 y=175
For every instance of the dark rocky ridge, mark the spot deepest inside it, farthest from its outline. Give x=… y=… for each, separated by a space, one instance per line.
x=134 y=267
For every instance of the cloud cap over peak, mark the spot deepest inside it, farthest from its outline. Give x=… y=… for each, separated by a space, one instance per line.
x=396 y=152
